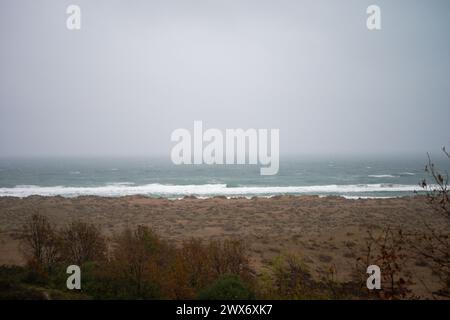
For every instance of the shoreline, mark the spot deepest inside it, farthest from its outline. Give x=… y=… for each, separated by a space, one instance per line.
x=237 y=197
x=157 y=190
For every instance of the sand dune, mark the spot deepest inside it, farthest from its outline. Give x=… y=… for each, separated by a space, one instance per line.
x=326 y=231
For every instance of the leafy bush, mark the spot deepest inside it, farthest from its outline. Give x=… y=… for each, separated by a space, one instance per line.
x=135 y=262
x=204 y=263
x=292 y=279
x=227 y=287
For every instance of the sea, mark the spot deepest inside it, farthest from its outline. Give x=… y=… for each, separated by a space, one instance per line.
x=350 y=177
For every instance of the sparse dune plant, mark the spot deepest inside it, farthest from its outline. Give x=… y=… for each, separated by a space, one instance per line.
x=435 y=243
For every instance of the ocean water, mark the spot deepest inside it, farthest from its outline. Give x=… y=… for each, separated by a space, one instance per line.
x=156 y=177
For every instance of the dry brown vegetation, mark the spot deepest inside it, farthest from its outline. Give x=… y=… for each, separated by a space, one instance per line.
x=435 y=240
x=325 y=234
x=81 y=242
x=39 y=241
x=138 y=265
x=389 y=251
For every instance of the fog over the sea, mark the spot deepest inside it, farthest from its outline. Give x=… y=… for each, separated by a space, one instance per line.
x=137 y=70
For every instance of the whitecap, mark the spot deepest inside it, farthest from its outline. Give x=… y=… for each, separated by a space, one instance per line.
x=407 y=174
x=205 y=190
x=382 y=176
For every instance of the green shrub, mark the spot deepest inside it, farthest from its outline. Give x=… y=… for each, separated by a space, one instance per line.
x=12 y=274
x=227 y=287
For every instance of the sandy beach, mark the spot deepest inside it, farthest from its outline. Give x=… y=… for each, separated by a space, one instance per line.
x=326 y=232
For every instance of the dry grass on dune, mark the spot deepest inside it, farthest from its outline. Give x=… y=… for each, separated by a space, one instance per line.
x=325 y=232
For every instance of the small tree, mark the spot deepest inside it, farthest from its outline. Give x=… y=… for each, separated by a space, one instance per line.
x=205 y=263
x=387 y=250
x=193 y=255
x=437 y=193
x=291 y=278
x=436 y=243
x=82 y=242
x=135 y=259
x=229 y=257
x=39 y=241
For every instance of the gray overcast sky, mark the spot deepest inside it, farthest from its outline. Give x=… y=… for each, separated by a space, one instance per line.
x=137 y=70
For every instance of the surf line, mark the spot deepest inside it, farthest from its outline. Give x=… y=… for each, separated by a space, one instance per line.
x=236 y=146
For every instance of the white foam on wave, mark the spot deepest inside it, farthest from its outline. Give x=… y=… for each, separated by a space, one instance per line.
x=407 y=173
x=365 y=197
x=382 y=176
x=126 y=183
x=204 y=190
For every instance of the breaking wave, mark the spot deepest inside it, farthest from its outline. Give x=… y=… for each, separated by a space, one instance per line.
x=203 y=190
x=382 y=176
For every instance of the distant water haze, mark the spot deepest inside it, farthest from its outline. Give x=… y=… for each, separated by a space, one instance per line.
x=137 y=71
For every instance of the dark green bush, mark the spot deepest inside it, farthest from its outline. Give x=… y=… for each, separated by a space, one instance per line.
x=227 y=287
